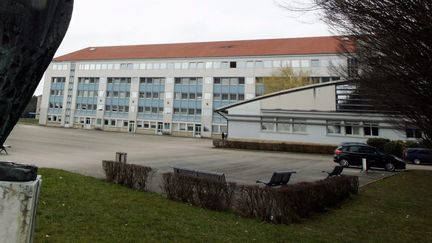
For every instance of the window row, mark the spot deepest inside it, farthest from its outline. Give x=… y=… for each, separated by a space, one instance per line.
x=87 y=93
x=149 y=124
x=188 y=96
x=57 y=92
x=117 y=94
x=187 y=111
x=226 y=96
x=189 y=81
x=58 y=80
x=60 y=67
x=283 y=125
x=155 y=81
x=229 y=81
x=353 y=128
x=183 y=127
x=116 y=123
x=80 y=106
x=56 y=105
x=119 y=80
x=53 y=118
x=314 y=62
x=151 y=95
x=83 y=80
x=150 y=109
x=117 y=108
x=219 y=129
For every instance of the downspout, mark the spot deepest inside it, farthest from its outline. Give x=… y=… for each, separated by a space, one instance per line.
x=220 y=113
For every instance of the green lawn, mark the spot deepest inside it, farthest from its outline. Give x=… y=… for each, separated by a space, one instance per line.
x=28 y=121
x=75 y=208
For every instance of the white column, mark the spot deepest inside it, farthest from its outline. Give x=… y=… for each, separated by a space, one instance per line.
x=207 y=107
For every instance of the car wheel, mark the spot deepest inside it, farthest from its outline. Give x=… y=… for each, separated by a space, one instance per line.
x=389 y=167
x=416 y=161
x=344 y=163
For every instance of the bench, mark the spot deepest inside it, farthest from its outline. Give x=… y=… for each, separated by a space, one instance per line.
x=337 y=171
x=3 y=148
x=279 y=178
x=214 y=176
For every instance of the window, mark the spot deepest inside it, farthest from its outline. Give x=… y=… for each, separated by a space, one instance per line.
x=334 y=127
x=190 y=127
x=233 y=64
x=315 y=63
x=352 y=128
x=268 y=124
x=283 y=125
x=106 y=122
x=182 y=127
x=371 y=129
x=299 y=125
x=113 y=123
x=413 y=133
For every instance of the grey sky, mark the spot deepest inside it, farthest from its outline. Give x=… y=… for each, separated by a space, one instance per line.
x=125 y=22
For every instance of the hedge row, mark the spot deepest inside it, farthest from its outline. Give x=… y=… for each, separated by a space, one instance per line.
x=286 y=147
x=282 y=205
x=199 y=192
x=130 y=175
x=394 y=147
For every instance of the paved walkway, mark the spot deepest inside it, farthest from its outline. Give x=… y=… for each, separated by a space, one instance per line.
x=82 y=151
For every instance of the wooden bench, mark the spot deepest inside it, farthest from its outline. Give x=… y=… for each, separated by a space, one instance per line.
x=337 y=171
x=3 y=148
x=214 y=176
x=279 y=178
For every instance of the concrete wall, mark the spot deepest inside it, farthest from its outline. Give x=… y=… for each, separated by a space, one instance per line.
x=243 y=130
x=18 y=205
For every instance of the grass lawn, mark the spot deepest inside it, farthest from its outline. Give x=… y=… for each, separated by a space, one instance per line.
x=28 y=121
x=75 y=208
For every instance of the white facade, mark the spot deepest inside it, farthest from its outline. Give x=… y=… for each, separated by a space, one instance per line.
x=307 y=115
x=182 y=103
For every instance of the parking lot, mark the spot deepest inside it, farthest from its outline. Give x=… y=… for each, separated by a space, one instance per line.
x=82 y=151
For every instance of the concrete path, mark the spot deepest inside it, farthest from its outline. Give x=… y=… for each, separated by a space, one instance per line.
x=82 y=151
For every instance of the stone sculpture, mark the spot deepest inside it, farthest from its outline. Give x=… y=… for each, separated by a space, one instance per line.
x=30 y=33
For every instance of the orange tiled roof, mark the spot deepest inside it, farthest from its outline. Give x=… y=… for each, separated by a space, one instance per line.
x=288 y=46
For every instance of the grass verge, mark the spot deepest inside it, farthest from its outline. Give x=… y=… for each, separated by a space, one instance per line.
x=28 y=121
x=75 y=208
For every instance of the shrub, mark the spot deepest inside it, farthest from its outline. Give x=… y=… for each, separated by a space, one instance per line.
x=269 y=146
x=198 y=191
x=394 y=147
x=378 y=142
x=293 y=202
x=130 y=175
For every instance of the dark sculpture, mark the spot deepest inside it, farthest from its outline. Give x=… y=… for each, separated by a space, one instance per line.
x=15 y=172
x=30 y=33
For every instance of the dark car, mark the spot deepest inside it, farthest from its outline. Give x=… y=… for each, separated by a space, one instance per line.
x=352 y=154
x=418 y=155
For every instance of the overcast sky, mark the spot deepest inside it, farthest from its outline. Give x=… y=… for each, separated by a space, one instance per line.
x=126 y=22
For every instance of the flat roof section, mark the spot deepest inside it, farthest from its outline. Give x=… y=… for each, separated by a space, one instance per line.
x=265 y=47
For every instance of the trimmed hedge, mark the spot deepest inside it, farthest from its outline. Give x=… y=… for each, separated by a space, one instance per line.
x=130 y=175
x=198 y=191
x=282 y=205
x=291 y=203
x=394 y=147
x=269 y=146
x=378 y=142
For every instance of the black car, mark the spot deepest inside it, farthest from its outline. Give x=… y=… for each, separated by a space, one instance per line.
x=418 y=155
x=352 y=154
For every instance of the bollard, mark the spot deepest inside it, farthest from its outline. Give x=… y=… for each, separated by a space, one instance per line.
x=364 y=165
x=121 y=157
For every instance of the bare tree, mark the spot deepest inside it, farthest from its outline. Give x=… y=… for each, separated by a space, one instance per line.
x=393 y=52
